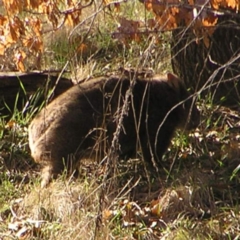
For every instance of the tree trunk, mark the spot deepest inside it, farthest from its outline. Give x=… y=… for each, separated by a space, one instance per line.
x=213 y=69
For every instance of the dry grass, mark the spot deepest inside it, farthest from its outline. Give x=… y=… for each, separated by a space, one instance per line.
x=68 y=211
x=198 y=199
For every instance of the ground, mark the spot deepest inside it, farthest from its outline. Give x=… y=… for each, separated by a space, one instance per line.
x=195 y=195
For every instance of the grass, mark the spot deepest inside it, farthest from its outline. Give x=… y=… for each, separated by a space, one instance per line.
x=195 y=196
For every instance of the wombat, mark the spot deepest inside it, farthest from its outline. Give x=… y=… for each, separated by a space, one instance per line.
x=84 y=119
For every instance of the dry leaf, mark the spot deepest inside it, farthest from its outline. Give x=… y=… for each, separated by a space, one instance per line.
x=36 y=26
x=82 y=48
x=13 y=33
x=19 y=58
x=232 y=4
x=209 y=21
x=3 y=20
x=10 y=124
x=215 y=3
x=107 y=214
x=2 y=49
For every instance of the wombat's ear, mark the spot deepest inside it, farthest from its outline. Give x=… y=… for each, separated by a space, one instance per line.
x=173 y=80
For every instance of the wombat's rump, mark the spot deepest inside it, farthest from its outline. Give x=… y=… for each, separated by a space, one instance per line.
x=81 y=120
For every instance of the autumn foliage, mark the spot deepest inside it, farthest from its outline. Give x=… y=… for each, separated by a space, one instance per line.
x=22 y=31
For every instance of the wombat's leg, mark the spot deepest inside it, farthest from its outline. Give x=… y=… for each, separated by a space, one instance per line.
x=49 y=156
x=50 y=171
x=46 y=176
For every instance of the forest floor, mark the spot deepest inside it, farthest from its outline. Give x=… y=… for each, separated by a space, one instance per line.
x=194 y=196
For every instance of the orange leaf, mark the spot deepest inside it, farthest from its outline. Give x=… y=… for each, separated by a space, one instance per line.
x=3 y=20
x=37 y=26
x=28 y=42
x=209 y=21
x=2 y=49
x=174 y=10
x=34 y=44
x=73 y=18
x=10 y=124
x=82 y=48
x=167 y=21
x=215 y=3
x=34 y=3
x=156 y=208
x=191 y=2
x=232 y=4
x=107 y=214
x=106 y=2
x=38 y=45
x=154 y=5
x=13 y=33
x=20 y=66
x=69 y=20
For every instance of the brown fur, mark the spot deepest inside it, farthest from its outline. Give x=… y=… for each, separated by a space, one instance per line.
x=79 y=120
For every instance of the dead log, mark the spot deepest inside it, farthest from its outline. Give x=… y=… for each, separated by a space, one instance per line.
x=23 y=85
